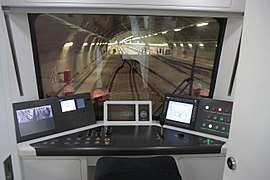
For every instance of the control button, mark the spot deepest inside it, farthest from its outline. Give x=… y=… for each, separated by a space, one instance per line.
x=107 y=142
x=68 y=139
x=97 y=142
x=86 y=142
x=78 y=138
x=89 y=132
x=215 y=118
x=226 y=110
x=228 y=120
x=213 y=109
x=203 y=125
x=45 y=142
x=210 y=126
x=107 y=139
x=208 y=141
x=77 y=142
x=88 y=139
x=52 y=143
x=216 y=127
x=221 y=118
x=66 y=142
x=219 y=109
x=206 y=107
x=223 y=129
x=98 y=138
x=208 y=117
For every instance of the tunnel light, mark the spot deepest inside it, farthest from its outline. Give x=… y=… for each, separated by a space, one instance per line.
x=178 y=29
x=182 y=45
x=68 y=44
x=201 y=45
x=92 y=44
x=155 y=34
x=85 y=44
x=190 y=45
x=149 y=35
x=174 y=44
x=129 y=37
x=202 y=24
x=164 y=32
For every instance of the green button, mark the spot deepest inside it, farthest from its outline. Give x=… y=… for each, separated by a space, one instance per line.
x=223 y=128
x=209 y=141
x=68 y=139
x=87 y=142
x=204 y=125
x=221 y=119
x=216 y=127
x=215 y=118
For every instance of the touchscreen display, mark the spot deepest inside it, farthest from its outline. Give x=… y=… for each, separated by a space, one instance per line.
x=179 y=111
x=35 y=120
x=68 y=105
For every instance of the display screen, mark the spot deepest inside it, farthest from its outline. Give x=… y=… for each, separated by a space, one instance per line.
x=35 y=120
x=121 y=112
x=68 y=105
x=80 y=103
x=179 y=111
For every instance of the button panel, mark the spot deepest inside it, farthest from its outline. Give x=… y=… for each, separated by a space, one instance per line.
x=98 y=136
x=214 y=117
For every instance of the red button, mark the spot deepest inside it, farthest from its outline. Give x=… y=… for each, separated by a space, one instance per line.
x=107 y=139
x=228 y=120
x=208 y=117
x=213 y=108
x=219 y=109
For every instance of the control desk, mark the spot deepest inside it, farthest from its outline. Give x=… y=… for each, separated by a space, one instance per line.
x=60 y=139
x=126 y=140
x=45 y=117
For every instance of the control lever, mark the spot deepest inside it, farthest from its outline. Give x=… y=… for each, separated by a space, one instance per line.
x=161 y=122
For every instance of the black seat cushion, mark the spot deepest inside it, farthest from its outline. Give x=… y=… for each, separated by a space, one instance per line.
x=149 y=168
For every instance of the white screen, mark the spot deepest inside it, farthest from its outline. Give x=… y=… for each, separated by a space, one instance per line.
x=180 y=112
x=68 y=105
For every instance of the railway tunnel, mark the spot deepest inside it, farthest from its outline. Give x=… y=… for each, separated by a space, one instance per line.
x=133 y=57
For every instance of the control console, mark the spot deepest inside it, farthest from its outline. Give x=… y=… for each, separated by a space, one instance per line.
x=198 y=114
x=127 y=140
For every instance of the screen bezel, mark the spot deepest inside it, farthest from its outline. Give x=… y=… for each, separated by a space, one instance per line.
x=181 y=99
x=28 y=105
x=137 y=105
